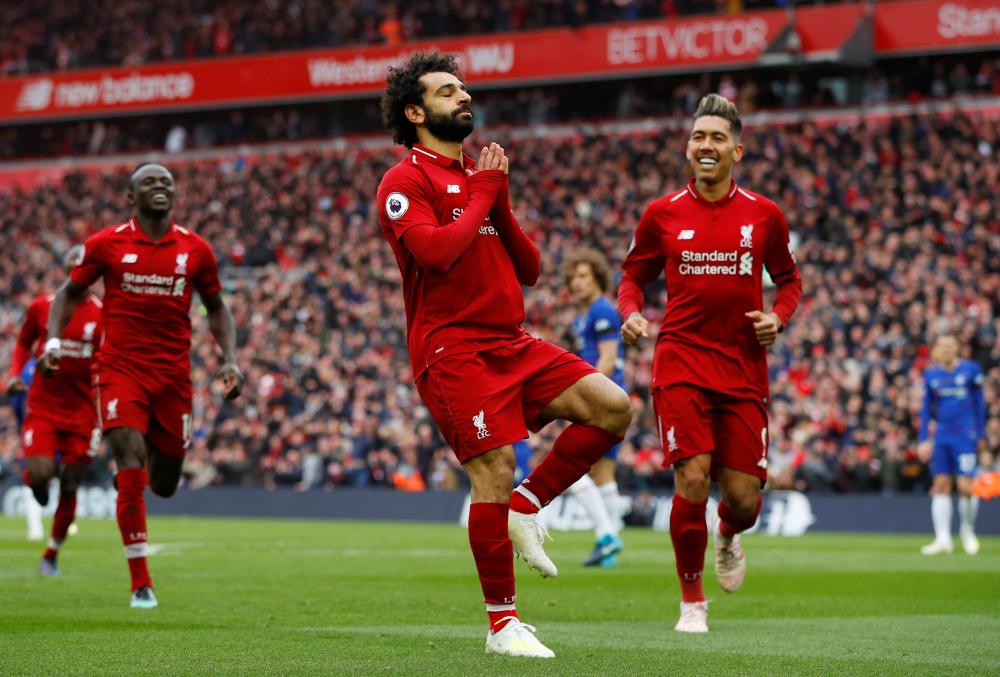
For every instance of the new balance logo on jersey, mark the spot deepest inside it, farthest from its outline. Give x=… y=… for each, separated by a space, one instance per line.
x=29 y=437
x=130 y=258
x=685 y=235
x=671 y=440
x=746 y=264
x=113 y=409
x=454 y=188
x=88 y=331
x=182 y=262
x=479 y=420
x=746 y=233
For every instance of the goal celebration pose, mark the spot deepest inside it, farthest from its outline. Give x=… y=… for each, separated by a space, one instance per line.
x=463 y=258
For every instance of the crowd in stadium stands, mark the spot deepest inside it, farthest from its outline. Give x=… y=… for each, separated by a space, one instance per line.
x=69 y=35
x=906 y=80
x=893 y=249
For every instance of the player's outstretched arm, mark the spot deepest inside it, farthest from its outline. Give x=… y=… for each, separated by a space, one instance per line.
x=223 y=328
x=63 y=306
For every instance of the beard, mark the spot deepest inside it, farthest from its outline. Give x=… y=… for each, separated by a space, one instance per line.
x=449 y=127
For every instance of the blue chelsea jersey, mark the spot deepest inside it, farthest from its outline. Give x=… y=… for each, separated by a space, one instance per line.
x=600 y=323
x=954 y=400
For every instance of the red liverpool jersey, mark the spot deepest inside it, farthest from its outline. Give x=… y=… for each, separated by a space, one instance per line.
x=713 y=255
x=147 y=295
x=477 y=304
x=65 y=397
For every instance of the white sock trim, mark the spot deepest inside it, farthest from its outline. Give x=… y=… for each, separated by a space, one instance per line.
x=589 y=496
x=136 y=550
x=54 y=544
x=968 y=506
x=530 y=496
x=500 y=607
x=612 y=503
x=941 y=516
x=583 y=484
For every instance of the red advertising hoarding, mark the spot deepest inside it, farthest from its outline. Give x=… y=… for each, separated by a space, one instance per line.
x=932 y=25
x=540 y=56
x=594 y=52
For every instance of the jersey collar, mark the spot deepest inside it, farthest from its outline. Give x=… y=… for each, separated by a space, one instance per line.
x=422 y=154
x=718 y=203
x=138 y=234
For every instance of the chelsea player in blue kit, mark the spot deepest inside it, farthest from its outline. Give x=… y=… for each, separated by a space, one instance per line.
x=596 y=338
x=953 y=399
x=17 y=392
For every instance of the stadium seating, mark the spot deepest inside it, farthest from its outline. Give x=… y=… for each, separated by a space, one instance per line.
x=892 y=249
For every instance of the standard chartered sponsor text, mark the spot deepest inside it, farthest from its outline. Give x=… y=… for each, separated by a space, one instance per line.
x=155 y=285
x=712 y=263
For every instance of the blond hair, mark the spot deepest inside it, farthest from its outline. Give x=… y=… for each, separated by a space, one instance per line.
x=719 y=106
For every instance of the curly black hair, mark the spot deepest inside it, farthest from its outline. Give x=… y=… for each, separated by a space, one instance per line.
x=403 y=88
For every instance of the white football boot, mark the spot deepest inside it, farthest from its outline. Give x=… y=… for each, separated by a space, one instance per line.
x=937 y=547
x=528 y=536
x=969 y=541
x=694 y=617
x=730 y=563
x=517 y=639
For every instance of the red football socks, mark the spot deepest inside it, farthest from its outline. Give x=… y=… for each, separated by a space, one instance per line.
x=498 y=619
x=689 y=534
x=132 y=523
x=574 y=453
x=65 y=513
x=731 y=524
x=494 y=555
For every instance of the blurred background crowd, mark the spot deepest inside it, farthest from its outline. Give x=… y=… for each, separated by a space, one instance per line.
x=893 y=249
x=71 y=35
x=896 y=226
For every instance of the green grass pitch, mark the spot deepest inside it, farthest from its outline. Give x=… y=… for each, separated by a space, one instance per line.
x=318 y=597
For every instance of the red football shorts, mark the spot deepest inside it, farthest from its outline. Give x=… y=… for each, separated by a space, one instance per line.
x=485 y=400
x=42 y=437
x=158 y=408
x=693 y=421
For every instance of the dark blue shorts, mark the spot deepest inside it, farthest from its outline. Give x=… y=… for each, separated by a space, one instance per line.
x=954 y=456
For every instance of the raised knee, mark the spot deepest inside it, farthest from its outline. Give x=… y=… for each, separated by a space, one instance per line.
x=619 y=411
x=163 y=489
x=38 y=477
x=743 y=505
